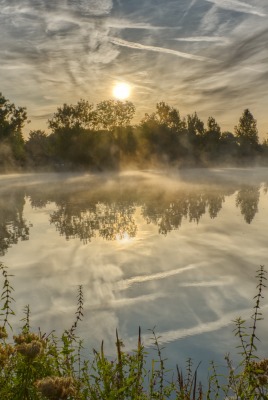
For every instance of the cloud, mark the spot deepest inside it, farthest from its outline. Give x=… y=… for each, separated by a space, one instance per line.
x=213 y=39
x=238 y=6
x=126 y=24
x=161 y=275
x=139 y=46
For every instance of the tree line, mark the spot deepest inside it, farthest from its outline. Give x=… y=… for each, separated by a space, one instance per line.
x=84 y=136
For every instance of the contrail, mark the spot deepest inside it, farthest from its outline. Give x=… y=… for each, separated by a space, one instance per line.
x=139 y=46
x=238 y=6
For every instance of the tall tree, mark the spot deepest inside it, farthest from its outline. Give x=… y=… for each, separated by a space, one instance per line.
x=165 y=115
x=69 y=116
x=246 y=131
x=38 y=147
x=12 y=120
x=195 y=126
x=111 y=114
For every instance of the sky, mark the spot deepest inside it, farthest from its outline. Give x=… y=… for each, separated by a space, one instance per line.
x=208 y=56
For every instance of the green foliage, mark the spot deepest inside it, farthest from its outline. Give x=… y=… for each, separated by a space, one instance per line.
x=38 y=147
x=69 y=116
x=246 y=130
x=84 y=136
x=12 y=120
x=114 y=113
x=36 y=366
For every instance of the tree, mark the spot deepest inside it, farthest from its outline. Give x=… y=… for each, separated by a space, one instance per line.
x=12 y=120
x=38 y=147
x=80 y=115
x=213 y=128
x=195 y=126
x=246 y=131
x=111 y=114
x=165 y=115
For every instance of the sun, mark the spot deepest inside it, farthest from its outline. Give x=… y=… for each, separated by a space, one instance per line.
x=121 y=91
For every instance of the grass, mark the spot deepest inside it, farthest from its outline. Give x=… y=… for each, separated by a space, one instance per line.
x=37 y=366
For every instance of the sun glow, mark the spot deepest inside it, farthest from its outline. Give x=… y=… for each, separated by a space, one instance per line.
x=121 y=91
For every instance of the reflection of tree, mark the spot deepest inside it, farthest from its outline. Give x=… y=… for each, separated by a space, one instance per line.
x=107 y=209
x=110 y=220
x=165 y=213
x=247 y=200
x=13 y=227
x=168 y=214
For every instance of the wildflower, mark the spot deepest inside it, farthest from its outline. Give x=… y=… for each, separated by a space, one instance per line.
x=3 y=332
x=56 y=388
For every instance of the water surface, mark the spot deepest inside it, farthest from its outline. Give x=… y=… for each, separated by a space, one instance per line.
x=175 y=251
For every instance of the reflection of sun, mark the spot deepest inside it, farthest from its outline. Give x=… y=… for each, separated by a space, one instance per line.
x=121 y=91
x=123 y=238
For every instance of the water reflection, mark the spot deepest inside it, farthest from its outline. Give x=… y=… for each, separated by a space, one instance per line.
x=13 y=226
x=98 y=208
x=191 y=280
x=110 y=221
x=247 y=200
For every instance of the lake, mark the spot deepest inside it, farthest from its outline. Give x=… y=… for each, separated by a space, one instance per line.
x=174 y=250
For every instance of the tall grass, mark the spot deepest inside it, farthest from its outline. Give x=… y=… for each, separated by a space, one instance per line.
x=37 y=366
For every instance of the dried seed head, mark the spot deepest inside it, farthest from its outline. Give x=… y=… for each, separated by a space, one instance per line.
x=30 y=350
x=3 y=332
x=5 y=352
x=260 y=370
x=55 y=388
x=26 y=338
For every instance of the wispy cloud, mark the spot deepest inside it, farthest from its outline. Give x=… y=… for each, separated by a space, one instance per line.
x=213 y=39
x=238 y=6
x=139 y=46
x=126 y=24
x=78 y=48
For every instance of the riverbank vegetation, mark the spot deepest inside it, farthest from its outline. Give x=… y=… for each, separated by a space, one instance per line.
x=101 y=137
x=40 y=366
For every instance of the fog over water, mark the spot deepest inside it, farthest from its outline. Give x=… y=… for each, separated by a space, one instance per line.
x=173 y=250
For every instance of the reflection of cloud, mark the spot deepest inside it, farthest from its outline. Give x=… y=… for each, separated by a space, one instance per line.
x=139 y=46
x=238 y=6
x=176 y=334
x=125 y=302
x=202 y=39
x=126 y=24
x=92 y=7
x=161 y=275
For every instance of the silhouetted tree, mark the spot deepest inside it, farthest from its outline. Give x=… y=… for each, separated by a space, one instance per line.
x=111 y=114
x=209 y=146
x=247 y=134
x=80 y=115
x=38 y=148
x=194 y=125
x=12 y=120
